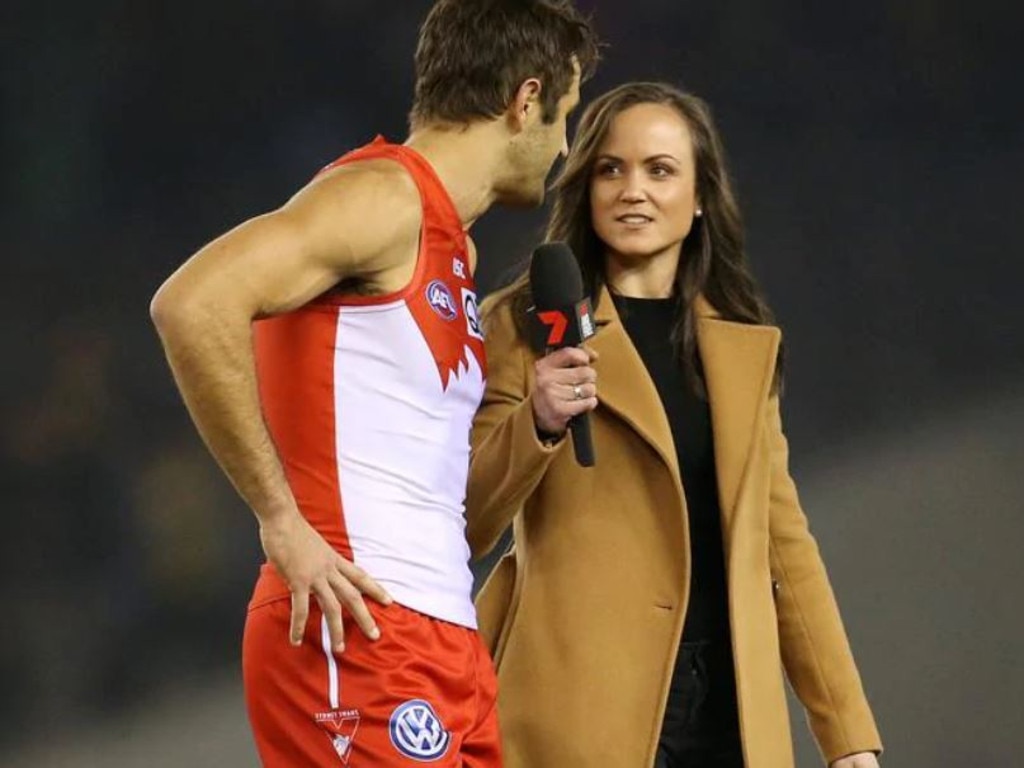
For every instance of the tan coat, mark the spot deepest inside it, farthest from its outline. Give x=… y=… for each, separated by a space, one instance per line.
x=584 y=617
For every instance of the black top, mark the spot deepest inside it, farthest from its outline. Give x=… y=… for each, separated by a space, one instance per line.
x=649 y=323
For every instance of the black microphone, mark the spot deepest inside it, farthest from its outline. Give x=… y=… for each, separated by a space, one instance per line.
x=561 y=317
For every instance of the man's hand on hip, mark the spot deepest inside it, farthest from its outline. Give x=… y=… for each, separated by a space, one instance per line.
x=309 y=565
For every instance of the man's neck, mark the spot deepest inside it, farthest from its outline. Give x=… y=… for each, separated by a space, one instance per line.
x=467 y=160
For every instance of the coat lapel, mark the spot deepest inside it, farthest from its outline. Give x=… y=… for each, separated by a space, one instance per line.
x=739 y=365
x=624 y=386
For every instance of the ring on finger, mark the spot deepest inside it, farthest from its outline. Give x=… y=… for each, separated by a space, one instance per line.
x=577 y=392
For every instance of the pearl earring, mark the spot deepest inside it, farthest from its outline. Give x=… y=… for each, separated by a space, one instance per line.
x=699 y=212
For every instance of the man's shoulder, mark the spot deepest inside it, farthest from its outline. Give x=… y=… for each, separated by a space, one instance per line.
x=371 y=203
x=372 y=179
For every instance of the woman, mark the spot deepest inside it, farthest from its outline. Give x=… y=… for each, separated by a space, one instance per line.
x=649 y=603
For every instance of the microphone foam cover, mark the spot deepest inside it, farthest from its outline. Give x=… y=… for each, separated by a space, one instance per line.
x=555 y=279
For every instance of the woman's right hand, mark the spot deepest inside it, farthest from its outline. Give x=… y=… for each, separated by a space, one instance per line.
x=565 y=386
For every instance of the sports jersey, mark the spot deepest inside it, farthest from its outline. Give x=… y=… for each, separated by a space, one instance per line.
x=369 y=401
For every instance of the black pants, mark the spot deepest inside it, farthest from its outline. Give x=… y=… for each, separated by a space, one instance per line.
x=701 y=726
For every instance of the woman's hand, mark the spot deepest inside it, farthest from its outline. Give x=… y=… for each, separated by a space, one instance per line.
x=859 y=760
x=566 y=385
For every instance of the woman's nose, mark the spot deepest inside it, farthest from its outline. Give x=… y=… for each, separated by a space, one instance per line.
x=633 y=188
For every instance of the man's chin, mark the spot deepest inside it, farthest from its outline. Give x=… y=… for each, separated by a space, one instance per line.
x=523 y=198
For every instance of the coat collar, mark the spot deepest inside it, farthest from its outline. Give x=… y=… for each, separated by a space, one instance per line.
x=739 y=364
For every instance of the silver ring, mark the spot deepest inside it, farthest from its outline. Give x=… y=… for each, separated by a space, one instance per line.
x=577 y=392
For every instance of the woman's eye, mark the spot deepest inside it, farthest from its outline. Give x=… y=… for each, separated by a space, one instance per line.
x=660 y=170
x=607 y=169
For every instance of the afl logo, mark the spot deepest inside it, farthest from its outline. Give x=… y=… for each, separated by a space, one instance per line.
x=441 y=300
x=417 y=732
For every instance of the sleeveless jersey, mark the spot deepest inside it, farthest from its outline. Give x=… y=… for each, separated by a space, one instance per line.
x=369 y=401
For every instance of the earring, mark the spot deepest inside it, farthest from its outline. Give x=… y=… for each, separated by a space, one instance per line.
x=699 y=212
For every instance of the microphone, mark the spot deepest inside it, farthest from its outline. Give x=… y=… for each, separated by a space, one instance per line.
x=561 y=317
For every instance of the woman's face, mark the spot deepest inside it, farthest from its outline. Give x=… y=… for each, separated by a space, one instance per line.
x=643 y=187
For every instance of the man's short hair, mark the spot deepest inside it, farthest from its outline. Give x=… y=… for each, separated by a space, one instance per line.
x=473 y=55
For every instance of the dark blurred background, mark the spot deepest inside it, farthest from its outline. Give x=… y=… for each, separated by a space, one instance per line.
x=877 y=149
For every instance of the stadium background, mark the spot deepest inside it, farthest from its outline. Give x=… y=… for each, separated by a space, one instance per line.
x=877 y=150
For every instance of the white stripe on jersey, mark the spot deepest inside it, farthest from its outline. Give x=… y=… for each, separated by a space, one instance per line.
x=403 y=457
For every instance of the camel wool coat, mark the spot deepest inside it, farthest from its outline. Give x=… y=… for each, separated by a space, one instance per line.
x=584 y=616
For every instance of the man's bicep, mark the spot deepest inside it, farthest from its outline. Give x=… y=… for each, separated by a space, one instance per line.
x=248 y=271
x=281 y=260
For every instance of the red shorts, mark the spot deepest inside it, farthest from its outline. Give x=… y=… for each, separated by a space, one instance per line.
x=423 y=693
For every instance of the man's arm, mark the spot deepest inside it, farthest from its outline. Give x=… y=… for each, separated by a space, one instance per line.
x=355 y=222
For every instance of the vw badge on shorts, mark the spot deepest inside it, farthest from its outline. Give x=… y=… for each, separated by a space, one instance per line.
x=417 y=731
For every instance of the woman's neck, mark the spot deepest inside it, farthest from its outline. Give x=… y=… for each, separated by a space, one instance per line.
x=647 y=277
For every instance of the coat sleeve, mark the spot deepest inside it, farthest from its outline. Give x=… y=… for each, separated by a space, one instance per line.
x=815 y=649
x=508 y=460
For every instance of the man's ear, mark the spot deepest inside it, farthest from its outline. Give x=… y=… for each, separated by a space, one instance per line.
x=526 y=104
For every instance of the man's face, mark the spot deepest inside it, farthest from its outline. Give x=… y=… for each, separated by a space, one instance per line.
x=537 y=147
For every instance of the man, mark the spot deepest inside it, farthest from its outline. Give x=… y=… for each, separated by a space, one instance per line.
x=330 y=357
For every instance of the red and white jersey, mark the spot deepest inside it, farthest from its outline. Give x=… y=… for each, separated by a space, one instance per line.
x=370 y=400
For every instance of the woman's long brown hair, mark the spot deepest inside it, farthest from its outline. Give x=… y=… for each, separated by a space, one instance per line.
x=713 y=260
